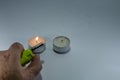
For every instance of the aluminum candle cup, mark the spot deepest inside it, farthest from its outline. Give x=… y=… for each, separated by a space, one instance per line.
x=37 y=44
x=61 y=44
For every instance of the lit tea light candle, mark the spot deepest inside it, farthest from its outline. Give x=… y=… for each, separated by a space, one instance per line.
x=61 y=44
x=37 y=44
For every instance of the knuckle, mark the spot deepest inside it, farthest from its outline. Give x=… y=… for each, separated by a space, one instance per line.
x=17 y=45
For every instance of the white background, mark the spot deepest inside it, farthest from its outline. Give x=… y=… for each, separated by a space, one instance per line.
x=93 y=27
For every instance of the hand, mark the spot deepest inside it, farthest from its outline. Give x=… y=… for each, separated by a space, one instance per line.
x=10 y=65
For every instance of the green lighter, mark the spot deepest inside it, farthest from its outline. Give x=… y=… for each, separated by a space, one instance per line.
x=27 y=56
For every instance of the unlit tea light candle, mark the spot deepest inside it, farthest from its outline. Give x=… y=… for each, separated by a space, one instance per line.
x=37 y=44
x=61 y=44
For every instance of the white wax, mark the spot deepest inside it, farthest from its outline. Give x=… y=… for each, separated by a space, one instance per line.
x=61 y=44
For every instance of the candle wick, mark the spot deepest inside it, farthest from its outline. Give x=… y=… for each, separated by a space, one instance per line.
x=62 y=40
x=36 y=41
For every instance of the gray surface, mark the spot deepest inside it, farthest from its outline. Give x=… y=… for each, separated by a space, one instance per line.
x=93 y=27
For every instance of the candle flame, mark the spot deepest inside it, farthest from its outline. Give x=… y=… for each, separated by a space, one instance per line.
x=36 y=39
